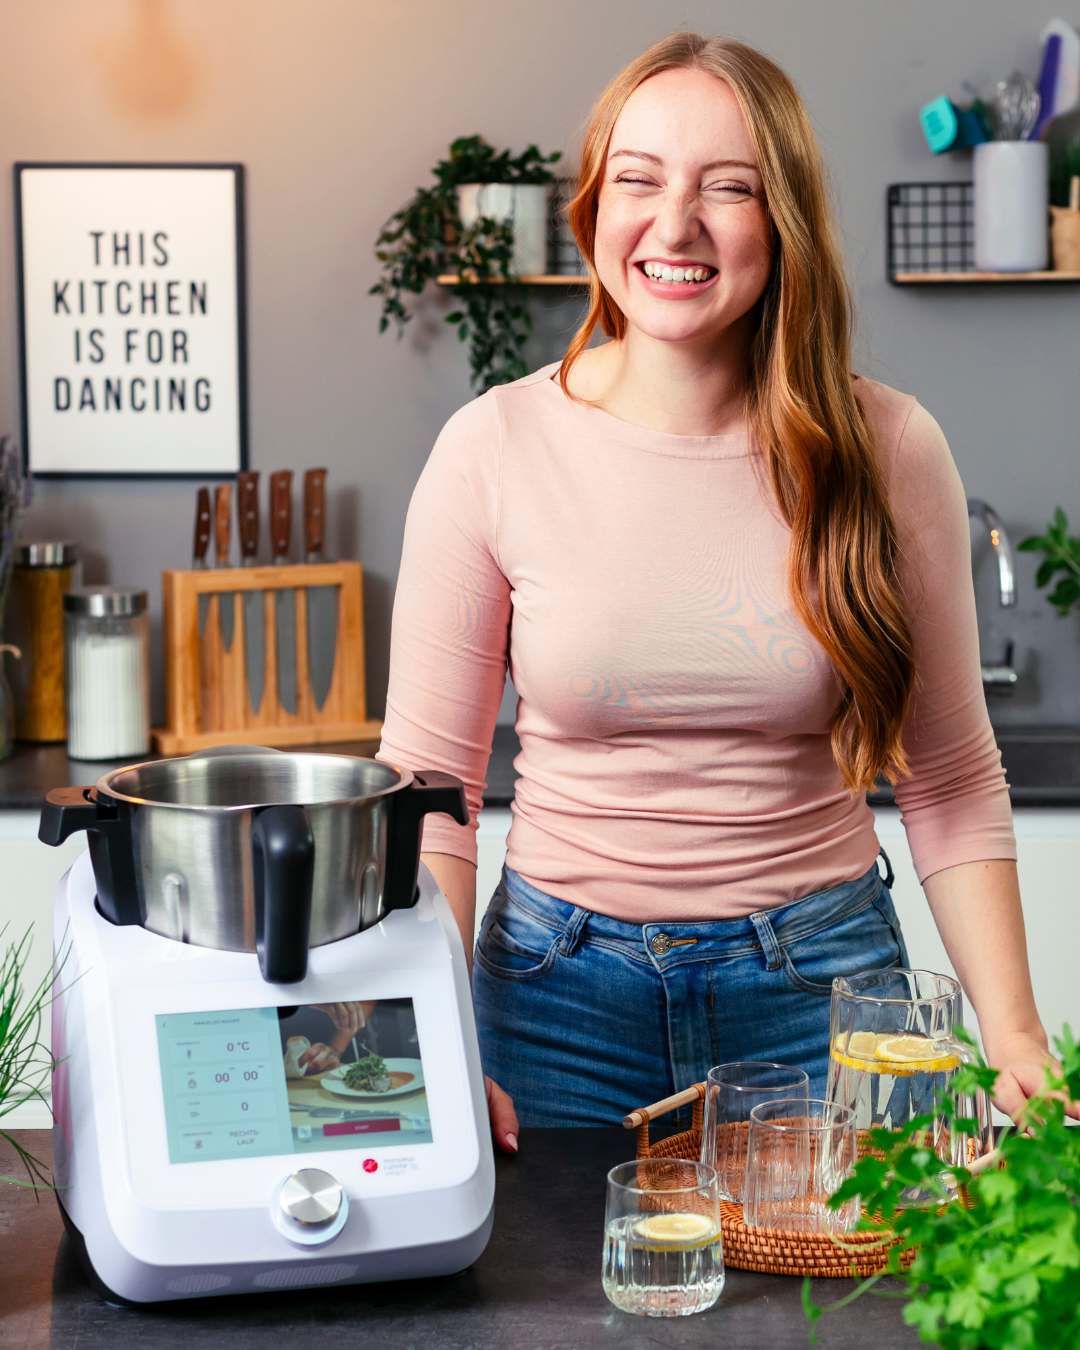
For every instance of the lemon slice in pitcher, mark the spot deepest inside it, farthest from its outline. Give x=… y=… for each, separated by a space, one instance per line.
x=676 y=1230
x=906 y=1055
x=900 y=1054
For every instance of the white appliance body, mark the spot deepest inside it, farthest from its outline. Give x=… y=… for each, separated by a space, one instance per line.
x=155 y=1220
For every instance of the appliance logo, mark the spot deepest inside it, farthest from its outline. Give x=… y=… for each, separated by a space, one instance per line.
x=370 y=1165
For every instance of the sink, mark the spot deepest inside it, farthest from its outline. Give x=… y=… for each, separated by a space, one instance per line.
x=1042 y=766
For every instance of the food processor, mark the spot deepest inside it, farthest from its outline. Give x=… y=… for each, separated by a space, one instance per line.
x=267 y=1067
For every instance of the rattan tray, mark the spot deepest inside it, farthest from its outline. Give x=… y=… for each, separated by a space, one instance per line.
x=771 y=1251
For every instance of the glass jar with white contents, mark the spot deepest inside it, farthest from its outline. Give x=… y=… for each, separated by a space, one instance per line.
x=107 y=645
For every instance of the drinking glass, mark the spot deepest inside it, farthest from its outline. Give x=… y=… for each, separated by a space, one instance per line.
x=663 y=1256
x=731 y=1093
x=800 y=1152
x=893 y=1051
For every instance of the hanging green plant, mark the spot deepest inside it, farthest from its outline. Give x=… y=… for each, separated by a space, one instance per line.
x=426 y=239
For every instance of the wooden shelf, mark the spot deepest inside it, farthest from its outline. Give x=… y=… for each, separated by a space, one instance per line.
x=451 y=279
x=969 y=278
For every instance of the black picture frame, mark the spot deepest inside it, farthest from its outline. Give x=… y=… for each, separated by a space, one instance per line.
x=238 y=172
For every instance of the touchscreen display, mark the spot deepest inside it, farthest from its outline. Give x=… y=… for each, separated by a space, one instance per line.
x=259 y=1081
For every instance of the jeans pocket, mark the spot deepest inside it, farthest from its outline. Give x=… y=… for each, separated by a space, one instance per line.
x=865 y=940
x=513 y=945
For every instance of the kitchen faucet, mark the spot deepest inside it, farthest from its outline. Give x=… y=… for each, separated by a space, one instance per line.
x=1000 y=678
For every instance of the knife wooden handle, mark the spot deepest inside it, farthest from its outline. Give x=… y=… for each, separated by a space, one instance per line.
x=223 y=521
x=281 y=512
x=314 y=510
x=247 y=512
x=202 y=526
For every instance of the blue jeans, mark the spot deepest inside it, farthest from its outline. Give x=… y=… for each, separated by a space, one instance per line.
x=582 y=1017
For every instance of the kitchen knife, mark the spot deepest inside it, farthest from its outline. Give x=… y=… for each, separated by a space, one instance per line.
x=247 y=511
x=321 y=600
x=223 y=530
x=284 y=599
x=202 y=543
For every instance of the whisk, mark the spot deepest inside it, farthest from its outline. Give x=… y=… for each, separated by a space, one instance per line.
x=1016 y=105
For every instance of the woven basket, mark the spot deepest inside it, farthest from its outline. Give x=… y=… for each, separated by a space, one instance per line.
x=773 y=1251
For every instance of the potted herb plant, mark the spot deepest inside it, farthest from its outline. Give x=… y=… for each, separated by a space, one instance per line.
x=1061 y=553
x=484 y=221
x=24 y=1063
x=1000 y=1270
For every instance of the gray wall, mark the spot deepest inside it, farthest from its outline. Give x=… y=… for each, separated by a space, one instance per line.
x=339 y=107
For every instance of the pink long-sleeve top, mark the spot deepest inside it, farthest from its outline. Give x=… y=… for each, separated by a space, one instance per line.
x=674 y=713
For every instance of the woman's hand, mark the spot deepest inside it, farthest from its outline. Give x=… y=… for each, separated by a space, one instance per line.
x=1020 y=1061
x=318 y=1058
x=504 y=1121
x=347 y=1017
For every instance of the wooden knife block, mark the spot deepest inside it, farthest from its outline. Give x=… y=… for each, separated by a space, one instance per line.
x=206 y=690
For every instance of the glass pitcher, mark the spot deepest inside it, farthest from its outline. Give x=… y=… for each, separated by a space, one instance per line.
x=893 y=1050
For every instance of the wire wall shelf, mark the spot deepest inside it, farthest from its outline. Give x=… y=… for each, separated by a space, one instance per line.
x=931 y=238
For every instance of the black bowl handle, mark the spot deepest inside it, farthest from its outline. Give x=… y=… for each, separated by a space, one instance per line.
x=66 y=811
x=429 y=791
x=283 y=863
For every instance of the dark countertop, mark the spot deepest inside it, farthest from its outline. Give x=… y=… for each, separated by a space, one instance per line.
x=1042 y=765
x=537 y=1286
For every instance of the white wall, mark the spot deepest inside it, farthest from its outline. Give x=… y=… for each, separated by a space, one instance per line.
x=340 y=107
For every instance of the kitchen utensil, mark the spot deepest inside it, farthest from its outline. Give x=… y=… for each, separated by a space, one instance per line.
x=181 y=1166
x=198 y=552
x=107 y=655
x=800 y=1152
x=947 y=127
x=41 y=573
x=731 y=1093
x=284 y=597
x=322 y=601
x=254 y=609
x=222 y=534
x=1048 y=78
x=1066 y=93
x=893 y=1051
x=1015 y=105
x=254 y=849
x=663 y=1253
x=1011 y=198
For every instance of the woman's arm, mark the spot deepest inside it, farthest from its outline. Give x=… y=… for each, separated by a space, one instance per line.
x=955 y=804
x=457 y=880
x=976 y=907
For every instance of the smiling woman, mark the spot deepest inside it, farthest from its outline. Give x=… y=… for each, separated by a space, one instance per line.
x=732 y=584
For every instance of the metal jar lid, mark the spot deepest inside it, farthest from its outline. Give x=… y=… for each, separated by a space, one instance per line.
x=105 y=602
x=46 y=553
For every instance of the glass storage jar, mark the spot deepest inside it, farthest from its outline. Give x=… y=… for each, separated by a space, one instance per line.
x=107 y=641
x=42 y=572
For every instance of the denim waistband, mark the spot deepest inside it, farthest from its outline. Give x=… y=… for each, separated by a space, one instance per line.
x=768 y=930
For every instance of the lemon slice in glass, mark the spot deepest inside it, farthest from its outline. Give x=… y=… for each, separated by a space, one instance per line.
x=676 y=1230
x=906 y=1055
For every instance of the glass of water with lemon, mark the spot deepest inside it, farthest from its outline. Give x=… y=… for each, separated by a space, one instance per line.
x=893 y=1051
x=663 y=1256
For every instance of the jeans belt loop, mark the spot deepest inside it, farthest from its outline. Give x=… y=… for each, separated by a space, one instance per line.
x=574 y=932
x=890 y=876
x=774 y=956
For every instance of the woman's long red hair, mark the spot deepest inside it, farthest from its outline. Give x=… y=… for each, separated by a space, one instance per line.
x=803 y=414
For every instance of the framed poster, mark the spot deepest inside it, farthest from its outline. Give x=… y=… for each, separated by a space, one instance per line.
x=131 y=316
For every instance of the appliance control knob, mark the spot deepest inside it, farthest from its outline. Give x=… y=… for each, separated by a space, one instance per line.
x=311 y=1197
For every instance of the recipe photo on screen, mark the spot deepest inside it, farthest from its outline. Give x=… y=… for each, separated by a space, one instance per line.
x=259 y=1081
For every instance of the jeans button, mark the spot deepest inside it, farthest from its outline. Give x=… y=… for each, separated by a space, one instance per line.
x=661 y=944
